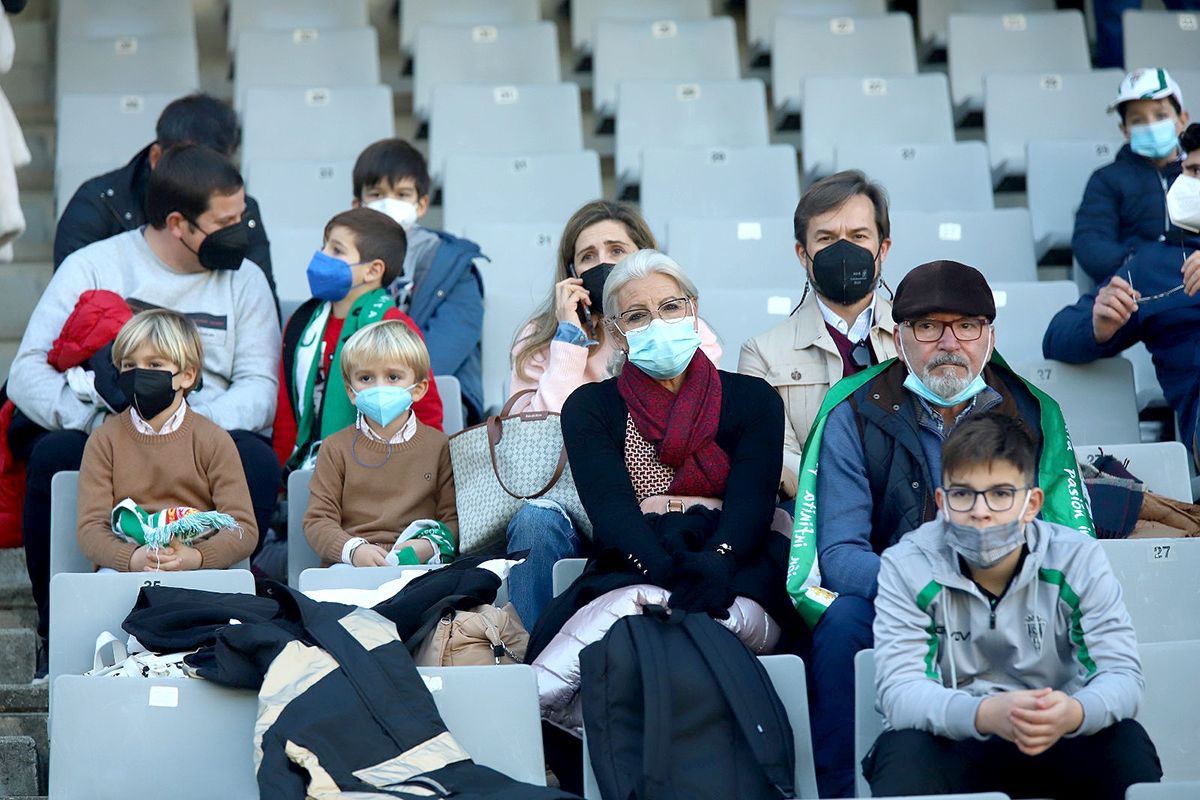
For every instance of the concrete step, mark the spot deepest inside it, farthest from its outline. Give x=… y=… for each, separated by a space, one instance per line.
x=18 y=766
x=14 y=582
x=18 y=655
x=28 y=762
x=40 y=218
x=21 y=284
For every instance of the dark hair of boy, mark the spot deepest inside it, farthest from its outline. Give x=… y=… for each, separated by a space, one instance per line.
x=184 y=180
x=986 y=439
x=832 y=192
x=1174 y=104
x=1189 y=140
x=391 y=160
x=199 y=119
x=376 y=236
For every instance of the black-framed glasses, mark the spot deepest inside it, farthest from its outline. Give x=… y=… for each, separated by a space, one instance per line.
x=997 y=498
x=673 y=310
x=966 y=329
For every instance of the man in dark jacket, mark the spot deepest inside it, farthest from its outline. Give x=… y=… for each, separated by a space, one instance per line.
x=115 y=202
x=1123 y=206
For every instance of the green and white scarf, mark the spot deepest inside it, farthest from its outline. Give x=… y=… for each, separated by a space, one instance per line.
x=157 y=528
x=436 y=533
x=1058 y=476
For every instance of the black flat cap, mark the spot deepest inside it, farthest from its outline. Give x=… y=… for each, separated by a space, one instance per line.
x=943 y=286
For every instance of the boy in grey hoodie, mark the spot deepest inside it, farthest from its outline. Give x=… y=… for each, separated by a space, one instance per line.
x=1005 y=659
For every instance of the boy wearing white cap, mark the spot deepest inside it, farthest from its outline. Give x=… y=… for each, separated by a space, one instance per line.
x=1124 y=204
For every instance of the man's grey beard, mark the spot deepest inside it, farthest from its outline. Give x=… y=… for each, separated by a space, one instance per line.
x=946 y=384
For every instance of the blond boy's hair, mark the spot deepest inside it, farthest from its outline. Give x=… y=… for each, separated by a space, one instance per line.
x=385 y=343
x=169 y=334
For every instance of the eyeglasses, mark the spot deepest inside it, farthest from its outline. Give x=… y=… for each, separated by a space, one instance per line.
x=1152 y=297
x=967 y=329
x=637 y=319
x=997 y=498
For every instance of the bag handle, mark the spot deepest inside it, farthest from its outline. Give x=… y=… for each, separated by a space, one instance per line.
x=495 y=431
x=106 y=641
x=512 y=401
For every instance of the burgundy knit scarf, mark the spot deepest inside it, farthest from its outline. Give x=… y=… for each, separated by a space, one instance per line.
x=682 y=427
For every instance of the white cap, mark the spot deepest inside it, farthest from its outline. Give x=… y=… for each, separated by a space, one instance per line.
x=1148 y=83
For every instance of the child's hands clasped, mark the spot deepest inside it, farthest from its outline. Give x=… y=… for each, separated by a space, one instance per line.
x=369 y=555
x=172 y=557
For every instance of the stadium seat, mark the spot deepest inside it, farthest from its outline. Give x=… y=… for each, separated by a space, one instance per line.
x=1158 y=576
x=1055 y=176
x=1023 y=311
x=520 y=257
x=810 y=47
x=1175 y=790
x=1046 y=42
x=503 y=120
x=586 y=13
x=304 y=59
x=300 y=555
x=84 y=605
x=415 y=13
x=737 y=315
x=450 y=390
x=1171 y=704
x=998 y=243
x=841 y=112
x=933 y=14
x=1161 y=39
x=316 y=579
x=335 y=123
x=1098 y=400
x=113 y=19
x=564 y=573
x=1165 y=467
x=291 y=250
x=672 y=114
x=137 y=64
x=496 y=55
x=868 y=720
x=1024 y=107
x=301 y=193
x=686 y=50
x=505 y=311
x=294 y=15
x=736 y=253
x=517 y=188
x=752 y=182
x=761 y=16
x=925 y=177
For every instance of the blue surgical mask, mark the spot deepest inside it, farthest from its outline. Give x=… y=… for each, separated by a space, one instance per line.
x=383 y=404
x=986 y=547
x=1156 y=140
x=330 y=278
x=917 y=386
x=663 y=350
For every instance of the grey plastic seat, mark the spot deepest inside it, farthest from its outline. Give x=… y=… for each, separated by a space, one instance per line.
x=1171 y=705
x=868 y=721
x=291 y=250
x=1055 y=176
x=1023 y=311
x=86 y=19
x=1023 y=107
x=301 y=193
x=336 y=122
x=300 y=555
x=1168 y=39
x=672 y=114
x=450 y=390
x=932 y=15
x=761 y=15
x=1157 y=576
x=1041 y=41
x=1098 y=400
x=305 y=58
x=503 y=120
x=737 y=315
x=736 y=253
x=564 y=573
x=294 y=15
x=318 y=578
x=1175 y=790
x=517 y=188
x=844 y=112
x=504 y=314
x=753 y=182
x=497 y=55
x=808 y=47
x=166 y=63
x=1166 y=469
x=925 y=177
x=999 y=243
x=415 y=13
x=685 y=50
x=520 y=256
x=586 y=13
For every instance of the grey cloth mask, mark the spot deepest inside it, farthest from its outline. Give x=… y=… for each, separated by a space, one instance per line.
x=986 y=547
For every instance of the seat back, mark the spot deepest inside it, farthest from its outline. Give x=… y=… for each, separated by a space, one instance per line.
x=761 y=15
x=316 y=579
x=1023 y=312
x=1163 y=466
x=868 y=721
x=521 y=257
x=1161 y=38
x=305 y=58
x=450 y=390
x=161 y=63
x=737 y=315
x=1175 y=790
x=932 y=15
x=294 y=15
x=585 y=14
x=564 y=572
x=301 y=193
x=504 y=313
x=337 y=122
x=998 y=243
x=292 y=247
x=416 y=13
x=925 y=177
x=1158 y=584
x=65 y=555
x=1171 y=706
x=300 y=555
x=736 y=253
x=1098 y=400
x=84 y=19
x=1056 y=173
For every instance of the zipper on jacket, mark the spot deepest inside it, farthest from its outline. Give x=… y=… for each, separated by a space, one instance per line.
x=1166 y=213
x=992 y=618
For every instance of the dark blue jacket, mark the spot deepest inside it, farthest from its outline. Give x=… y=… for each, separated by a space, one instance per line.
x=447 y=305
x=1123 y=207
x=1170 y=327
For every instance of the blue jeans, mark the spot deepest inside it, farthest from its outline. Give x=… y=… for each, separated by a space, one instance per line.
x=548 y=535
x=844 y=629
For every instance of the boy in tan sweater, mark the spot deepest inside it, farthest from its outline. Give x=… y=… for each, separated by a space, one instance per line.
x=161 y=462
x=383 y=489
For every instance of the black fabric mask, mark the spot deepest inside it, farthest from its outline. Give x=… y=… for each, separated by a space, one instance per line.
x=224 y=248
x=149 y=390
x=844 y=272
x=593 y=281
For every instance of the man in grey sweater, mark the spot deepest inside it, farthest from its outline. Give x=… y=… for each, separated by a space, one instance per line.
x=1005 y=659
x=190 y=258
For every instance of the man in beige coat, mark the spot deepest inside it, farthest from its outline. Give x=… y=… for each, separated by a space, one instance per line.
x=842 y=325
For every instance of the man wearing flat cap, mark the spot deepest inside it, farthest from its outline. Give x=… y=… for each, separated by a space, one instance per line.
x=878 y=441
